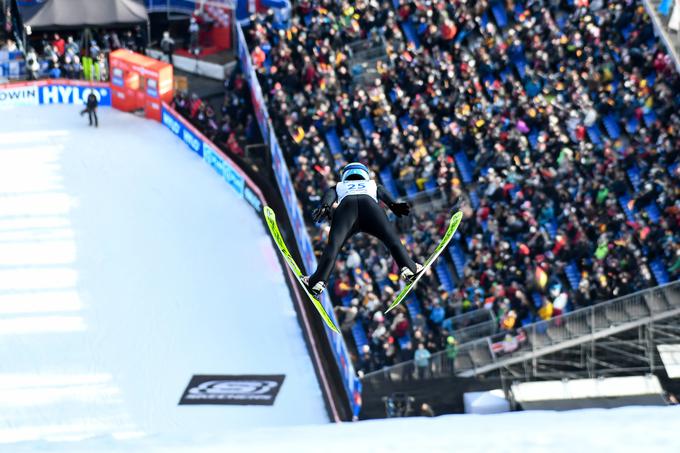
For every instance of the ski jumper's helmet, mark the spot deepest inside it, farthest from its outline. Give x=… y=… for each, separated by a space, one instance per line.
x=355 y=171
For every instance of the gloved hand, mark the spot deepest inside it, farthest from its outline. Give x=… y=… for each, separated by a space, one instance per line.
x=320 y=213
x=401 y=209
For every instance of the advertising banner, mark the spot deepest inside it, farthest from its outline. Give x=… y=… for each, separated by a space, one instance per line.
x=222 y=165
x=57 y=91
x=13 y=95
x=177 y=126
x=66 y=93
x=257 y=99
x=282 y=175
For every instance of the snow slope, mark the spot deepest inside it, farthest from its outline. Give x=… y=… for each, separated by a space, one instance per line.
x=631 y=429
x=126 y=267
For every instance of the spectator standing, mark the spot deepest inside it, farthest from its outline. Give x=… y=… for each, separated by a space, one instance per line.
x=167 y=46
x=129 y=41
x=72 y=47
x=59 y=44
x=53 y=68
x=451 y=353
x=426 y=410
x=422 y=361
x=115 y=41
x=91 y=109
x=32 y=64
x=193 y=36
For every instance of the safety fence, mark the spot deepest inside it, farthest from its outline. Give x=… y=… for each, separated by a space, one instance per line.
x=483 y=355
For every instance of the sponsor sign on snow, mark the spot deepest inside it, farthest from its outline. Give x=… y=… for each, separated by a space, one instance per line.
x=260 y=390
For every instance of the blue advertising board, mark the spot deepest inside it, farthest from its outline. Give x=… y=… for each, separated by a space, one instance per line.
x=73 y=94
x=194 y=141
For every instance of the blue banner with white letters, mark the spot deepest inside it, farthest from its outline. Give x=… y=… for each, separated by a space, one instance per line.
x=195 y=141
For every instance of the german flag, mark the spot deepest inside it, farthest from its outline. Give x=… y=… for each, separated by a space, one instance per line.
x=299 y=135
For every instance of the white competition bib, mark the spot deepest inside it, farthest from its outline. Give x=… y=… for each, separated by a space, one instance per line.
x=346 y=188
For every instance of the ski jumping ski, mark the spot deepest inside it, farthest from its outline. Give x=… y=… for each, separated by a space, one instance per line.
x=450 y=231
x=270 y=217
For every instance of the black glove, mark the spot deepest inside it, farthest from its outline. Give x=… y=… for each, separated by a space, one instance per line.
x=320 y=213
x=401 y=209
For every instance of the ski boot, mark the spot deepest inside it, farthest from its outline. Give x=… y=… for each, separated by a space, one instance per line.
x=318 y=287
x=408 y=275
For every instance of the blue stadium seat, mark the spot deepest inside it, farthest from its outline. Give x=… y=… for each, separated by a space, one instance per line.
x=533 y=138
x=462 y=34
x=573 y=275
x=537 y=298
x=412 y=190
x=383 y=284
x=519 y=9
x=458 y=258
x=634 y=176
x=505 y=73
x=653 y=212
x=388 y=182
x=474 y=199
x=430 y=184
x=367 y=126
x=484 y=19
x=445 y=277
x=611 y=125
x=651 y=79
x=333 y=141
x=623 y=201
x=404 y=341
x=410 y=33
x=359 y=335
x=488 y=81
x=464 y=167
x=660 y=272
x=625 y=32
x=649 y=118
x=500 y=15
x=595 y=135
x=413 y=306
x=405 y=121
x=632 y=125
x=552 y=228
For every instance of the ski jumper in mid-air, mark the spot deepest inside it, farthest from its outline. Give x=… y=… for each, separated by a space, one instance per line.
x=359 y=211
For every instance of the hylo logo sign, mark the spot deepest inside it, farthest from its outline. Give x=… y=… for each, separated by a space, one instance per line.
x=65 y=94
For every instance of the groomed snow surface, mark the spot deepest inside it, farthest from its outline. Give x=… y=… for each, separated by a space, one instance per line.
x=127 y=266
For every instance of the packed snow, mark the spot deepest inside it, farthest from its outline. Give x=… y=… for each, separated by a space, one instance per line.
x=127 y=266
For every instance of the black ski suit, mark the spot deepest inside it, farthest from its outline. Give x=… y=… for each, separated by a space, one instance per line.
x=354 y=214
x=91 y=109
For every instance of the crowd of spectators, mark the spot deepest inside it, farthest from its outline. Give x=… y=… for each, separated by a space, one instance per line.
x=553 y=125
x=233 y=127
x=76 y=56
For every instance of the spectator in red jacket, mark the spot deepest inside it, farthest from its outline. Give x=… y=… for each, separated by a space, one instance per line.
x=59 y=43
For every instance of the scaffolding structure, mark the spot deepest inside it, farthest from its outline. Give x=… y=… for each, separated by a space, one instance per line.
x=614 y=338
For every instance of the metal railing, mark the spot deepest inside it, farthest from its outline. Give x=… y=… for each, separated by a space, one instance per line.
x=580 y=326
